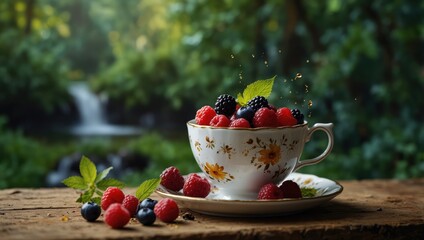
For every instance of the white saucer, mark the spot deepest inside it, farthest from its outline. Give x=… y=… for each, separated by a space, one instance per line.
x=211 y=205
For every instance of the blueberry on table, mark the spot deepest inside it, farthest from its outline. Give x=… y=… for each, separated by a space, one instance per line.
x=147 y=203
x=90 y=211
x=146 y=216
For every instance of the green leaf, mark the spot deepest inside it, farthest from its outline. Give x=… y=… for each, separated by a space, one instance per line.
x=146 y=188
x=308 y=192
x=258 y=88
x=96 y=200
x=88 y=170
x=75 y=182
x=108 y=182
x=103 y=174
x=86 y=196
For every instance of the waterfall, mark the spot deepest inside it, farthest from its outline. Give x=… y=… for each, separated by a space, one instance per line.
x=92 y=116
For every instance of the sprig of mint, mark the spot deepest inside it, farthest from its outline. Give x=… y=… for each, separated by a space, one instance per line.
x=91 y=183
x=257 y=88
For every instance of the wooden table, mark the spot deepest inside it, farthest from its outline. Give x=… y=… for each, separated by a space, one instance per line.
x=371 y=209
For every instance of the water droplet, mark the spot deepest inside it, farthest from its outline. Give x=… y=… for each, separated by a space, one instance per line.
x=285 y=80
x=310 y=115
x=232 y=56
x=307 y=61
x=279 y=51
x=253 y=55
x=290 y=92
x=356 y=99
x=306 y=88
x=266 y=63
x=310 y=103
x=298 y=75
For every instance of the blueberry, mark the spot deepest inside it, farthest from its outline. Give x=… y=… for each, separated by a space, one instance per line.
x=146 y=216
x=246 y=112
x=90 y=211
x=147 y=203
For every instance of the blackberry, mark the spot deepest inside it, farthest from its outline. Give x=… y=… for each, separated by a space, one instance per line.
x=296 y=113
x=257 y=103
x=225 y=105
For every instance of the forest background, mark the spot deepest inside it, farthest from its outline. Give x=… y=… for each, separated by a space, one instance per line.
x=357 y=64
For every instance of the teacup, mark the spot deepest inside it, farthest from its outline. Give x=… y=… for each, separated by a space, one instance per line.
x=239 y=161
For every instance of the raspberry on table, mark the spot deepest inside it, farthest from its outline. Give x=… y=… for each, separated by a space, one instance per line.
x=196 y=186
x=265 y=117
x=204 y=115
x=220 y=121
x=240 y=123
x=111 y=195
x=172 y=179
x=117 y=216
x=296 y=113
x=167 y=210
x=257 y=103
x=225 y=105
x=285 y=117
x=290 y=189
x=130 y=202
x=270 y=191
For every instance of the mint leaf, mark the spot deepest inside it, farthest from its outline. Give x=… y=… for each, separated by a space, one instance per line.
x=146 y=188
x=88 y=170
x=103 y=174
x=75 y=182
x=86 y=196
x=258 y=88
x=308 y=192
x=108 y=182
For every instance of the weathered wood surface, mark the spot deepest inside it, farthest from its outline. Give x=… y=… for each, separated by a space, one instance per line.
x=372 y=209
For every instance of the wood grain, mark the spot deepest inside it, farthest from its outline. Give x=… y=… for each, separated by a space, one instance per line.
x=371 y=209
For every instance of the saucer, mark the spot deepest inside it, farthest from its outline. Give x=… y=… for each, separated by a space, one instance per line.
x=214 y=205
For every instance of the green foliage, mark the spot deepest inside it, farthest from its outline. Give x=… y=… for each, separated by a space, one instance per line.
x=24 y=161
x=90 y=183
x=359 y=64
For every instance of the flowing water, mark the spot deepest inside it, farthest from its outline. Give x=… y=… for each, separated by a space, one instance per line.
x=93 y=121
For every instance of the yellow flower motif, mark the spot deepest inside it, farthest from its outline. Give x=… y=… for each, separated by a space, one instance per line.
x=270 y=155
x=215 y=171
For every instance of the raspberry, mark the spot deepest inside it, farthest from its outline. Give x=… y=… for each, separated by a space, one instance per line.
x=240 y=123
x=130 y=202
x=257 y=103
x=172 y=179
x=270 y=191
x=226 y=105
x=112 y=195
x=204 y=115
x=285 y=118
x=117 y=216
x=265 y=117
x=291 y=189
x=296 y=113
x=220 y=121
x=196 y=186
x=166 y=210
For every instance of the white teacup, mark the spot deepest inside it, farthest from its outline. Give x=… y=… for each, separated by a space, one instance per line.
x=239 y=161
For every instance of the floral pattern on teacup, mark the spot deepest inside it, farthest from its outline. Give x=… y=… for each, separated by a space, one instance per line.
x=269 y=154
x=216 y=172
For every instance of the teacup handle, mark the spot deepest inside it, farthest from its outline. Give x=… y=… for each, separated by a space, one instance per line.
x=328 y=129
